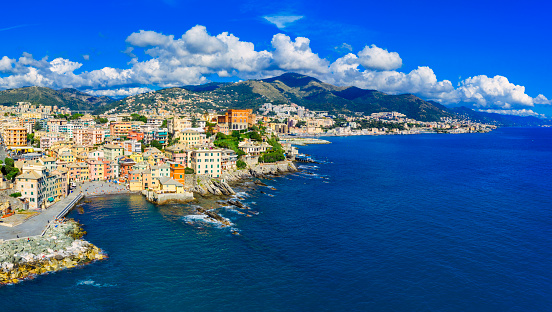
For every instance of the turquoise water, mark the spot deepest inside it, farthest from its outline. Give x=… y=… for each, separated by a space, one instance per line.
x=389 y=223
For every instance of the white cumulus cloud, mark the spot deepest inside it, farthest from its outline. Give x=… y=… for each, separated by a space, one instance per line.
x=541 y=99
x=493 y=92
x=6 y=64
x=169 y=60
x=297 y=55
x=148 y=38
x=514 y=112
x=379 y=59
x=63 y=66
x=121 y=92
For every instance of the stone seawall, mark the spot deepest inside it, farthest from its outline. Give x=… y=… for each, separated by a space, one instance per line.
x=162 y=199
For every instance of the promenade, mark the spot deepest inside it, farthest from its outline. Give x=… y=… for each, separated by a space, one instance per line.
x=36 y=224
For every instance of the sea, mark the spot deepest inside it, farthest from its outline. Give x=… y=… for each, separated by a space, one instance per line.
x=432 y=222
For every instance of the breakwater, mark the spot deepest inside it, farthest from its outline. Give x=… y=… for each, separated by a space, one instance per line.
x=60 y=247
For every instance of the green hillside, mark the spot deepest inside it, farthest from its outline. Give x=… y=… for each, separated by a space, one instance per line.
x=71 y=98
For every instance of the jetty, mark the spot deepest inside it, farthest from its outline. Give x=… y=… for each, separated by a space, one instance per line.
x=304 y=159
x=37 y=225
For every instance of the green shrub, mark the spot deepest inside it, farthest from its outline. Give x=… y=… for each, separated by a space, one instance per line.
x=271 y=157
x=189 y=170
x=15 y=195
x=241 y=164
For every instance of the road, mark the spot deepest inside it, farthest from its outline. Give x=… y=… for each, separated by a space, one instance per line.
x=3 y=153
x=36 y=224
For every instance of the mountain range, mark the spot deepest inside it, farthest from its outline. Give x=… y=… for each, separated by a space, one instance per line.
x=288 y=88
x=72 y=98
x=316 y=95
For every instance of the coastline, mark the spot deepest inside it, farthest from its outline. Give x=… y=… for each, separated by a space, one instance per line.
x=61 y=245
x=220 y=192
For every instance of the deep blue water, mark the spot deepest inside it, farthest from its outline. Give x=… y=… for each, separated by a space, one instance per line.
x=391 y=223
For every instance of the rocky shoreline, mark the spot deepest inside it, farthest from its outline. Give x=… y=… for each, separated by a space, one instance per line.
x=222 y=186
x=245 y=177
x=61 y=247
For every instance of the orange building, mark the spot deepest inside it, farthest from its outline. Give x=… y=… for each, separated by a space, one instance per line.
x=178 y=172
x=236 y=119
x=15 y=136
x=135 y=135
x=118 y=129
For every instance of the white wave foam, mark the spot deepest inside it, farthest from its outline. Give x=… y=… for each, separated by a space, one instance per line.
x=205 y=219
x=240 y=194
x=92 y=283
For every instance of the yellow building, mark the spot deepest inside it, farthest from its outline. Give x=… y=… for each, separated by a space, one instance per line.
x=67 y=157
x=189 y=137
x=79 y=149
x=15 y=136
x=137 y=157
x=168 y=185
x=31 y=115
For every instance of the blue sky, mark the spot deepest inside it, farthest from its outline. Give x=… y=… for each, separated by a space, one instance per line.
x=489 y=55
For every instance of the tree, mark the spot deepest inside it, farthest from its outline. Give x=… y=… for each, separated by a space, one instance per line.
x=164 y=124
x=9 y=162
x=271 y=157
x=9 y=170
x=30 y=138
x=188 y=170
x=37 y=126
x=156 y=144
x=241 y=164
x=75 y=116
x=255 y=136
x=194 y=122
x=137 y=117
x=101 y=120
x=301 y=123
x=236 y=134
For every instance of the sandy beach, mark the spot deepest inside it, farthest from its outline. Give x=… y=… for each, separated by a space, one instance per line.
x=101 y=188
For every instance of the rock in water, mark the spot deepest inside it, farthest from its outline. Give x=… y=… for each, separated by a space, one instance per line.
x=236 y=203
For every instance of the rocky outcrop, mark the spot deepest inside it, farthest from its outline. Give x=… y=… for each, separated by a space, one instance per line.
x=61 y=247
x=236 y=203
x=214 y=216
x=207 y=185
x=263 y=170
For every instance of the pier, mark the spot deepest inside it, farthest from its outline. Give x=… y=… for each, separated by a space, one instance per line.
x=36 y=225
x=304 y=159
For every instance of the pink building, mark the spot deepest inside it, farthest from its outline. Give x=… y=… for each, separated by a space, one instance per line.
x=96 y=170
x=89 y=137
